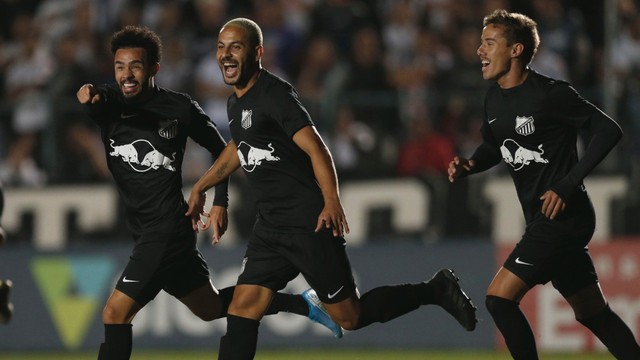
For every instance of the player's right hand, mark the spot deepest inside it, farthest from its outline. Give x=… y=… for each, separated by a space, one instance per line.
x=196 y=208
x=88 y=94
x=459 y=166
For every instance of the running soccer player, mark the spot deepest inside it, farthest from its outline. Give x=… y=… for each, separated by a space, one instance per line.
x=301 y=224
x=532 y=124
x=144 y=130
x=6 y=307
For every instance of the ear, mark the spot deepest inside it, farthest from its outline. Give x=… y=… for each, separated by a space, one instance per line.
x=516 y=50
x=155 y=69
x=259 y=52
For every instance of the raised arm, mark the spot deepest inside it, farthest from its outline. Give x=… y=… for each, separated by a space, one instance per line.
x=88 y=94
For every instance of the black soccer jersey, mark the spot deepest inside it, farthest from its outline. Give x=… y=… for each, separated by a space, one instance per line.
x=263 y=122
x=533 y=128
x=144 y=145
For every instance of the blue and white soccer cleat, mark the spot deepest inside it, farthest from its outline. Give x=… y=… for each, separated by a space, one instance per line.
x=319 y=314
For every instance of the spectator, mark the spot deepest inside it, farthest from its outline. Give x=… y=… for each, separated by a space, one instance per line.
x=27 y=75
x=353 y=144
x=318 y=81
x=425 y=152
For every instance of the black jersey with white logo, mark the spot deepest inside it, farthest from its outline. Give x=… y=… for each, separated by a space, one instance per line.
x=144 y=145
x=262 y=123
x=533 y=128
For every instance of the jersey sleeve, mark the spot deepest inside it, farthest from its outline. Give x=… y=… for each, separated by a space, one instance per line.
x=600 y=132
x=567 y=106
x=488 y=154
x=204 y=132
x=288 y=111
x=102 y=111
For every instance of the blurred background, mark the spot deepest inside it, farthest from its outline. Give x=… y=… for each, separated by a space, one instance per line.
x=395 y=88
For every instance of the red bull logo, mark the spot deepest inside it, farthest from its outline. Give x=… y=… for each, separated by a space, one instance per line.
x=518 y=156
x=152 y=159
x=251 y=156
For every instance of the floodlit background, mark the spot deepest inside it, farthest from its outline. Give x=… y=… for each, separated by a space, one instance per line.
x=395 y=89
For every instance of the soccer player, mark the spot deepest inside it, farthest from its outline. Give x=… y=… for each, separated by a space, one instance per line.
x=300 y=223
x=144 y=130
x=532 y=124
x=6 y=307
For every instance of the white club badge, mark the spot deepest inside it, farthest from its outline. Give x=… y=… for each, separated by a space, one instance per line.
x=246 y=119
x=524 y=125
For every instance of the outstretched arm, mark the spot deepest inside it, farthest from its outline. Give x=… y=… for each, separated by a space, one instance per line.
x=224 y=166
x=88 y=94
x=332 y=215
x=459 y=167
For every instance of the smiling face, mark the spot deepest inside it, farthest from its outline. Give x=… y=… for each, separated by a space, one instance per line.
x=500 y=61
x=238 y=60
x=133 y=74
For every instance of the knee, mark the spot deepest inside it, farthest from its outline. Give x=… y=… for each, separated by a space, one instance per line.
x=113 y=315
x=495 y=304
x=206 y=314
x=587 y=318
x=350 y=323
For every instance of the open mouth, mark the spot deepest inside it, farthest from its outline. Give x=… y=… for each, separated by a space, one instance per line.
x=485 y=64
x=230 y=69
x=129 y=87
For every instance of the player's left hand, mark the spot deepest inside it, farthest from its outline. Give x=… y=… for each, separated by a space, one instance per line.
x=552 y=204
x=333 y=217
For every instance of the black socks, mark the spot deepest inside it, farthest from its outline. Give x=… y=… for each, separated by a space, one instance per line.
x=289 y=303
x=241 y=339
x=614 y=333
x=514 y=327
x=281 y=302
x=117 y=342
x=385 y=303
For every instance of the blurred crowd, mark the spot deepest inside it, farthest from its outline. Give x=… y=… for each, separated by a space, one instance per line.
x=393 y=85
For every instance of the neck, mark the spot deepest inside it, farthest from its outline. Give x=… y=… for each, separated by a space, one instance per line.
x=241 y=90
x=513 y=78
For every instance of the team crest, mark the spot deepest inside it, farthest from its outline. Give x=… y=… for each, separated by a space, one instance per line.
x=524 y=125
x=246 y=119
x=168 y=128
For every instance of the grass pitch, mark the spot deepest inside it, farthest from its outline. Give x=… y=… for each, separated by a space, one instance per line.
x=316 y=354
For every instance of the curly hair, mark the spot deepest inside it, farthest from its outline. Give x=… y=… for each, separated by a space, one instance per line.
x=518 y=28
x=138 y=37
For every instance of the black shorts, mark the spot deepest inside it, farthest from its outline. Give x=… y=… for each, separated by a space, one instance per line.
x=549 y=251
x=273 y=259
x=163 y=261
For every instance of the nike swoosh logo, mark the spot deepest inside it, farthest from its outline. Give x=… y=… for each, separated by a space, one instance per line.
x=331 y=296
x=126 y=116
x=124 y=279
x=518 y=261
x=492 y=120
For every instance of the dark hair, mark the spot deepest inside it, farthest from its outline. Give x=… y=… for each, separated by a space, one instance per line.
x=138 y=37
x=253 y=31
x=518 y=28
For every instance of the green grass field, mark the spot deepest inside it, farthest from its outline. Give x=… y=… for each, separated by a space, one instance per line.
x=306 y=354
